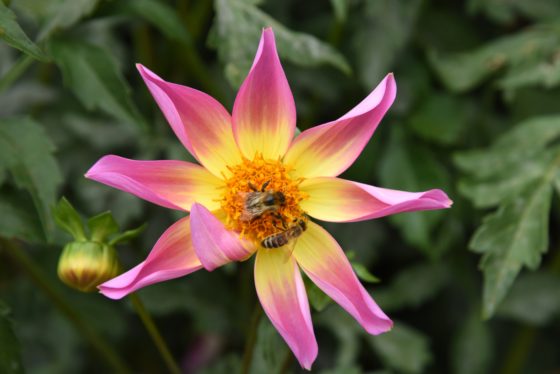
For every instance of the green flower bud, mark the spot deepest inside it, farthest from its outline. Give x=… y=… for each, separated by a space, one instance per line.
x=85 y=265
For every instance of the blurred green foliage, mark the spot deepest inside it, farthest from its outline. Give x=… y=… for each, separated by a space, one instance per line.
x=476 y=114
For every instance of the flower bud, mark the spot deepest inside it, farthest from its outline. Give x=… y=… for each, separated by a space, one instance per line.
x=85 y=265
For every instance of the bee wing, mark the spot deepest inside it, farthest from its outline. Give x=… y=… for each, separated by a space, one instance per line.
x=289 y=250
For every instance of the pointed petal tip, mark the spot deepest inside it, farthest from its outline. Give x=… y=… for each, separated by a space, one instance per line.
x=439 y=197
x=110 y=292
x=264 y=111
x=329 y=149
x=93 y=170
x=383 y=325
x=147 y=74
x=307 y=362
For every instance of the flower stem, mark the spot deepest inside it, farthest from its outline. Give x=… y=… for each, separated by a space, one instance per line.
x=40 y=279
x=152 y=329
x=251 y=339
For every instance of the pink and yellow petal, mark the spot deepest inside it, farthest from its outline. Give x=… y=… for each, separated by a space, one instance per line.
x=213 y=243
x=339 y=200
x=327 y=150
x=282 y=295
x=172 y=184
x=201 y=123
x=324 y=262
x=264 y=113
x=173 y=256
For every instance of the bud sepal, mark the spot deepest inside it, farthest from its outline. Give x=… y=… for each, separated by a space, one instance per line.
x=91 y=259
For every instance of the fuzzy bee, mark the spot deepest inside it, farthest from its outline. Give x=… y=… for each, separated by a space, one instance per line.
x=282 y=238
x=257 y=202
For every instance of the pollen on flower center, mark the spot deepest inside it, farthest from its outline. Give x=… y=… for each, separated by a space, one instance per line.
x=261 y=179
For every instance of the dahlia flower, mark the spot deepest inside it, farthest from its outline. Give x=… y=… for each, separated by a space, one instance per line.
x=254 y=150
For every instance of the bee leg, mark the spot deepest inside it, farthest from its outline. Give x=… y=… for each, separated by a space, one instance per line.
x=265 y=185
x=279 y=216
x=252 y=186
x=275 y=223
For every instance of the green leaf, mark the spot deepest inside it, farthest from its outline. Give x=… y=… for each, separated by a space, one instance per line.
x=101 y=226
x=545 y=73
x=506 y=183
x=27 y=152
x=14 y=36
x=432 y=119
x=518 y=158
x=516 y=172
x=10 y=358
x=403 y=349
x=270 y=350
x=90 y=72
x=520 y=143
x=69 y=220
x=317 y=298
x=384 y=30
x=514 y=236
x=413 y=286
x=64 y=14
x=236 y=32
x=128 y=235
x=472 y=347
x=506 y=12
x=363 y=273
x=412 y=167
x=158 y=14
x=534 y=299
x=19 y=219
x=462 y=72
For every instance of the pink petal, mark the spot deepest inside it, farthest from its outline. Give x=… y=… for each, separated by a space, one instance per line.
x=322 y=259
x=172 y=257
x=327 y=150
x=200 y=122
x=264 y=113
x=213 y=243
x=339 y=200
x=284 y=300
x=172 y=184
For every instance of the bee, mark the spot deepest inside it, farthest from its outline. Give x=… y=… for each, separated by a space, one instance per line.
x=282 y=238
x=257 y=202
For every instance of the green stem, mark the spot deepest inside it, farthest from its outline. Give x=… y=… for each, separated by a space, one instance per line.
x=39 y=278
x=251 y=340
x=15 y=72
x=152 y=329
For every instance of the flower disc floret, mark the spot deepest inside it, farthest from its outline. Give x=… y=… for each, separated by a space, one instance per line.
x=256 y=173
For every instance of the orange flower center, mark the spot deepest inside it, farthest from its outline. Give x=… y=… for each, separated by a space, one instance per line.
x=261 y=199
